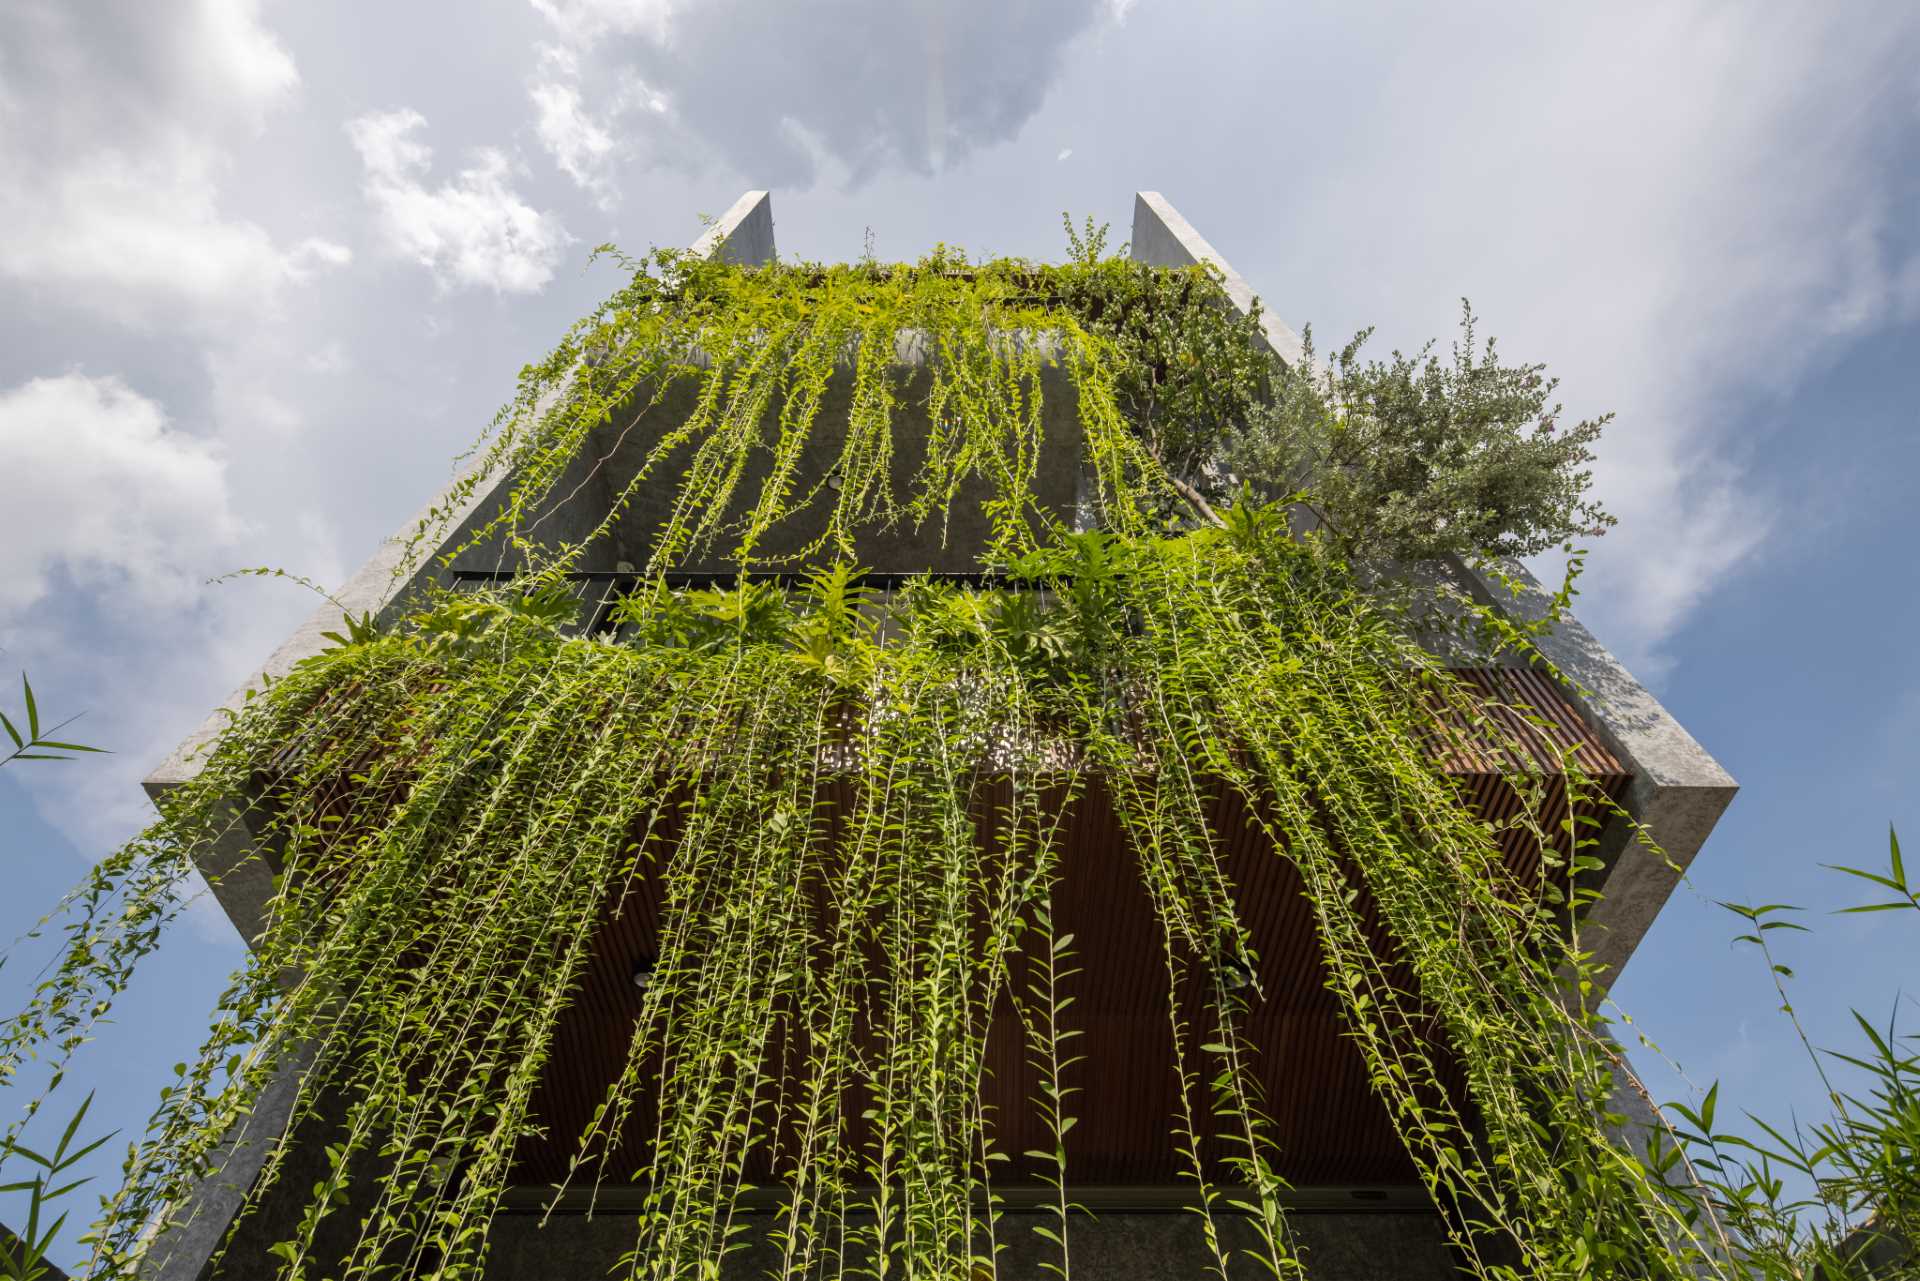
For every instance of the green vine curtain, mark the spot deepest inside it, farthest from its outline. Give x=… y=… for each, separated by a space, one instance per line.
x=455 y=799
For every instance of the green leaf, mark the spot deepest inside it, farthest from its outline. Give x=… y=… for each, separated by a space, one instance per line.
x=1886 y=882
x=31 y=1155
x=73 y=1125
x=33 y=710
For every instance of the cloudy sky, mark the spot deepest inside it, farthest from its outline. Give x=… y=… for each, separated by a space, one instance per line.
x=265 y=268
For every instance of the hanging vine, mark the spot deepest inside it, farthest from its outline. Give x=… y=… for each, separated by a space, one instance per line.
x=853 y=807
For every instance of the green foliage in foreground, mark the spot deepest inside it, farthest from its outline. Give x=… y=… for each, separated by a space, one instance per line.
x=456 y=801
x=1857 y=1211
x=23 y=1255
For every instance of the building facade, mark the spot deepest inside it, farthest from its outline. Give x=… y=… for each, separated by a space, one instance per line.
x=1356 y=1201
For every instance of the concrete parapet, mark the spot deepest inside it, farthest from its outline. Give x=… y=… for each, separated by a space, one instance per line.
x=743 y=235
x=1162 y=238
x=1111 y=1245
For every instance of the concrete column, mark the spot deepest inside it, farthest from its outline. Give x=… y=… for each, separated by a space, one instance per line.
x=1678 y=791
x=181 y=1252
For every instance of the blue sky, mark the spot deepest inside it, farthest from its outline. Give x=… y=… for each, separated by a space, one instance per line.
x=263 y=274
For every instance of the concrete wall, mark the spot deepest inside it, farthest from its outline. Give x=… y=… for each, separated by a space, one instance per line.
x=1130 y=1234
x=1134 y=1236
x=947 y=543
x=1122 y=1246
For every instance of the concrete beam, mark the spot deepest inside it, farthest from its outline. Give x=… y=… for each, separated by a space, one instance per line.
x=240 y=884
x=1162 y=238
x=744 y=234
x=1678 y=790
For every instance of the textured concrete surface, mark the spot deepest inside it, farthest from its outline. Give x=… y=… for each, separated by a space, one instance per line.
x=1162 y=238
x=1112 y=1247
x=1125 y=1246
x=743 y=235
x=949 y=544
x=1132 y=1234
x=1678 y=791
x=1398 y=1239
x=181 y=1254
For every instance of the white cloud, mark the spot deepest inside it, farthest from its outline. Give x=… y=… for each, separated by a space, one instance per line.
x=1684 y=210
x=1066 y=153
x=475 y=230
x=99 y=487
x=329 y=358
x=591 y=19
x=243 y=55
x=585 y=140
x=577 y=143
x=114 y=139
x=877 y=84
x=140 y=238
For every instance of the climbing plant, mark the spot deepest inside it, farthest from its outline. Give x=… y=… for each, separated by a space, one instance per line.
x=852 y=805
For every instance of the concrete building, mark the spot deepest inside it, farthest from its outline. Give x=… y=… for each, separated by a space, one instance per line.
x=1360 y=1213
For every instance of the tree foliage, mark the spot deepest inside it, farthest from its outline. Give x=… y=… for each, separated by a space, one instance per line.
x=1417 y=457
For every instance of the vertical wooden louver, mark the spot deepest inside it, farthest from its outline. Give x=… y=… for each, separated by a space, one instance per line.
x=1329 y=1127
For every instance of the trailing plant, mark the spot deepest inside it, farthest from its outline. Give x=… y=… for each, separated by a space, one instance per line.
x=1191 y=369
x=850 y=808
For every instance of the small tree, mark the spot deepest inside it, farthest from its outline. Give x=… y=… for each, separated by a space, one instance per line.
x=1415 y=457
